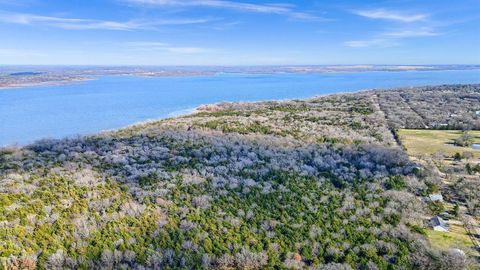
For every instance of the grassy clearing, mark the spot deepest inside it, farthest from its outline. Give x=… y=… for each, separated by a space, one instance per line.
x=429 y=142
x=456 y=238
x=420 y=142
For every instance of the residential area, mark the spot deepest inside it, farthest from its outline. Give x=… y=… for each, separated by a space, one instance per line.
x=454 y=204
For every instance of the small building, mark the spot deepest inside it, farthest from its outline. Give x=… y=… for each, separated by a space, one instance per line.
x=445 y=213
x=438 y=224
x=435 y=197
x=477 y=113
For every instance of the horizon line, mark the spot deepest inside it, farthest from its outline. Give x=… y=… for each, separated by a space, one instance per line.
x=232 y=65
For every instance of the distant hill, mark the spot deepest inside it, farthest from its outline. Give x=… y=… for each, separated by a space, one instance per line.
x=25 y=73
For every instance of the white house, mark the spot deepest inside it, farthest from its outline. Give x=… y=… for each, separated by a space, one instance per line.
x=438 y=224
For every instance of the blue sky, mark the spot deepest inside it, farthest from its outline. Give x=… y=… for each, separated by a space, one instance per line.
x=239 y=32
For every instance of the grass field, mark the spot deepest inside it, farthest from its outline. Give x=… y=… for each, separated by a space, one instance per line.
x=456 y=238
x=420 y=142
x=428 y=142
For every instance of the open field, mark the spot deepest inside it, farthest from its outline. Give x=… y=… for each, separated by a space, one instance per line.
x=456 y=238
x=428 y=142
x=420 y=142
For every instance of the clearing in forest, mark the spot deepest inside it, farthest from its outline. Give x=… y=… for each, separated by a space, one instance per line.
x=421 y=142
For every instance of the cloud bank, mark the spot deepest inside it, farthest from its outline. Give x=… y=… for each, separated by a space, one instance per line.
x=90 y=24
x=280 y=9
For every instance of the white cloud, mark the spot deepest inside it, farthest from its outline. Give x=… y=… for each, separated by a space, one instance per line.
x=89 y=24
x=376 y=42
x=144 y=44
x=412 y=33
x=280 y=9
x=187 y=50
x=153 y=46
x=423 y=28
x=392 y=38
x=391 y=15
x=17 y=3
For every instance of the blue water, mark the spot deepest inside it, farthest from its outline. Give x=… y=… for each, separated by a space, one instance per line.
x=32 y=113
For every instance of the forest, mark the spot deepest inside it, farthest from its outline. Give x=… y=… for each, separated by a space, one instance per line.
x=320 y=183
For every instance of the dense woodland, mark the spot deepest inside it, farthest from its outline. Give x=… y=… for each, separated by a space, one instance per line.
x=303 y=184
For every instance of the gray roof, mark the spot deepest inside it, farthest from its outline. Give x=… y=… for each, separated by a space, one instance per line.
x=436 y=197
x=438 y=221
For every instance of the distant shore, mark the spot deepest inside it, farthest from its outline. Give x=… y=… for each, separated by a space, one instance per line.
x=6 y=86
x=10 y=77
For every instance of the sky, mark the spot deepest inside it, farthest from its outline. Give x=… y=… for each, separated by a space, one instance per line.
x=239 y=32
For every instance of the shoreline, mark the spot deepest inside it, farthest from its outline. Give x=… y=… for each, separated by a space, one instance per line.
x=46 y=83
x=212 y=107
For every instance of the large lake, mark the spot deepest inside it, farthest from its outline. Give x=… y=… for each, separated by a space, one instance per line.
x=28 y=114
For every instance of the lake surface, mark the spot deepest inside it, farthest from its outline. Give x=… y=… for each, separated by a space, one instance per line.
x=28 y=114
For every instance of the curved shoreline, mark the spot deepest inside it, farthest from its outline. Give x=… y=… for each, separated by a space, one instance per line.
x=201 y=108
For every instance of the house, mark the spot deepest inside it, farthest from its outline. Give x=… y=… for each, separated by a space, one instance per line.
x=435 y=197
x=477 y=113
x=445 y=213
x=438 y=224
